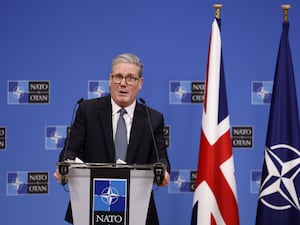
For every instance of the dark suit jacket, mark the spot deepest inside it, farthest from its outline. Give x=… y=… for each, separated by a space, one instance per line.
x=91 y=139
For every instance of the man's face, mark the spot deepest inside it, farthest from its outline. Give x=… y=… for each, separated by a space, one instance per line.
x=122 y=93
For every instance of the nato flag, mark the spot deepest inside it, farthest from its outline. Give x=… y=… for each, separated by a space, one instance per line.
x=278 y=201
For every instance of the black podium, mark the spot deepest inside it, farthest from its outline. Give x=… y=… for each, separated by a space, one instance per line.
x=106 y=194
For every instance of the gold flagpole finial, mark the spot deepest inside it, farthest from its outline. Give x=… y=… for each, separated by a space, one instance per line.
x=285 y=12
x=218 y=10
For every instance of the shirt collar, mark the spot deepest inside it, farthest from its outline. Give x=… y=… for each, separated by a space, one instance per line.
x=129 y=109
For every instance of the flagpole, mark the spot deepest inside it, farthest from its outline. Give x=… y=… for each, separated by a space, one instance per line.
x=279 y=204
x=286 y=12
x=218 y=10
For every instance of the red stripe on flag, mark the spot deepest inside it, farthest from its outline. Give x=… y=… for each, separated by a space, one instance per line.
x=211 y=158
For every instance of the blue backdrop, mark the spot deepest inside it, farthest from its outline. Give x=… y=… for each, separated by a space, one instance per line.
x=53 y=52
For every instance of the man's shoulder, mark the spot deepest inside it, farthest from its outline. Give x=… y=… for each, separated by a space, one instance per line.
x=152 y=111
x=96 y=102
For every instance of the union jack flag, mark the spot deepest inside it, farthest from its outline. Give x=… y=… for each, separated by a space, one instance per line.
x=215 y=199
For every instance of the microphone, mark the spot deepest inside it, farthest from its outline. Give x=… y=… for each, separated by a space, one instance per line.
x=158 y=169
x=63 y=167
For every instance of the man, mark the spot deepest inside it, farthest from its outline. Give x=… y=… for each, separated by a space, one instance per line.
x=92 y=137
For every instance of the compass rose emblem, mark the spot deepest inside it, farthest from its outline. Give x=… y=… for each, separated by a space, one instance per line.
x=18 y=92
x=109 y=195
x=180 y=92
x=278 y=191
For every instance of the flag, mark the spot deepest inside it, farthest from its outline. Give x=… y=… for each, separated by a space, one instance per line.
x=215 y=199
x=278 y=201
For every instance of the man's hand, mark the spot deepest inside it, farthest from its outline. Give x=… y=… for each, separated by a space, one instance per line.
x=166 y=179
x=58 y=177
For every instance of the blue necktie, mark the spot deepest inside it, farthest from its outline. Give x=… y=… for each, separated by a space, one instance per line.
x=121 y=137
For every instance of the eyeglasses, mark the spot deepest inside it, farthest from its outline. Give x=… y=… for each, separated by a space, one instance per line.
x=129 y=79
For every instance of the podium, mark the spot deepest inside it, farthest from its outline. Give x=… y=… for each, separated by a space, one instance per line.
x=108 y=194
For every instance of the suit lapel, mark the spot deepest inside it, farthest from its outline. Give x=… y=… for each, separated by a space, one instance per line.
x=105 y=114
x=138 y=124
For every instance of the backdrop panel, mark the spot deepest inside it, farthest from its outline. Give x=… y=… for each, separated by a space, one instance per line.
x=54 y=52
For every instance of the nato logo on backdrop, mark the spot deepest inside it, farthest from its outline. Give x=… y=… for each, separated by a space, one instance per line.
x=28 y=92
x=182 y=181
x=55 y=137
x=255 y=178
x=186 y=92
x=98 y=88
x=242 y=136
x=109 y=201
x=26 y=183
x=261 y=92
x=2 y=138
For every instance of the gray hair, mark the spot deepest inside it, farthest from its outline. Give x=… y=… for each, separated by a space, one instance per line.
x=129 y=58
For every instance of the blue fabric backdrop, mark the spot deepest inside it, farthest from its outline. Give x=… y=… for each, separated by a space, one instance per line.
x=68 y=45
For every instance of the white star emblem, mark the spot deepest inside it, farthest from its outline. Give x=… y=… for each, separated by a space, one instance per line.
x=109 y=195
x=56 y=137
x=281 y=178
x=17 y=183
x=180 y=92
x=179 y=181
x=263 y=92
x=99 y=91
x=18 y=92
